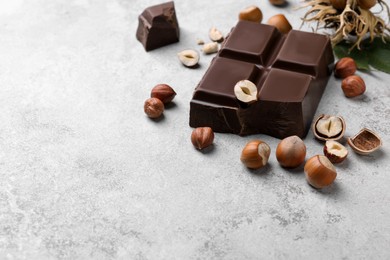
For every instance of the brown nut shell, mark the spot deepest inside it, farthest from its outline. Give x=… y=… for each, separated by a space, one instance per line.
x=277 y=2
x=322 y=137
x=202 y=137
x=153 y=107
x=291 y=152
x=366 y=4
x=345 y=67
x=163 y=92
x=252 y=14
x=319 y=171
x=365 y=142
x=255 y=154
x=353 y=86
x=280 y=22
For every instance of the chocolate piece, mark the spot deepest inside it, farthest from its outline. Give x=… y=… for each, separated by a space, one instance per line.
x=290 y=71
x=158 y=26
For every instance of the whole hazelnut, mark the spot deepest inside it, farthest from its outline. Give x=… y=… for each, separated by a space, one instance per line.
x=345 y=67
x=202 y=137
x=319 y=171
x=338 y=4
x=353 y=86
x=366 y=4
x=163 y=92
x=278 y=2
x=335 y=151
x=252 y=14
x=280 y=22
x=255 y=154
x=291 y=152
x=153 y=107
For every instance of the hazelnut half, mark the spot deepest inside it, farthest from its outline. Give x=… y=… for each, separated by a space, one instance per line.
x=280 y=22
x=291 y=152
x=215 y=35
x=353 y=86
x=319 y=171
x=252 y=14
x=245 y=91
x=202 y=137
x=345 y=67
x=365 y=142
x=327 y=127
x=255 y=154
x=153 y=107
x=189 y=58
x=209 y=48
x=163 y=92
x=335 y=151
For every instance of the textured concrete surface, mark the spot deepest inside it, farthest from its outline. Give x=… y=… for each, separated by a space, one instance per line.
x=84 y=174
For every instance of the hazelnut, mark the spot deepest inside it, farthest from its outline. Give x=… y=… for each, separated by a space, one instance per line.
x=245 y=91
x=278 y=2
x=252 y=14
x=153 y=107
x=335 y=151
x=280 y=22
x=202 y=137
x=209 y=48
x=255 y=154
x=366 y=4
x=328 y=127
x=319 y=171
x=291 y=152
x=215 y=35
x=189 y=58
x=353 y=86
x=338 y=4
x=345 y=67
x=163 y=92
x=365 y=142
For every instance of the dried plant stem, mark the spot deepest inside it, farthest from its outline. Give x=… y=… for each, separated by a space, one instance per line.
x=351 y=21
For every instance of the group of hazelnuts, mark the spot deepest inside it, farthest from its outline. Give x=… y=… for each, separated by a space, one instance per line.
x=352 y=84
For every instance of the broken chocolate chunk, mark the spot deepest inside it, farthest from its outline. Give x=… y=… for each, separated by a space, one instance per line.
x=158 y=26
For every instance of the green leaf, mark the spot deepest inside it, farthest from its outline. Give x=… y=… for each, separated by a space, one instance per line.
x=380 y=59
x=375 y=54
x=361 y=58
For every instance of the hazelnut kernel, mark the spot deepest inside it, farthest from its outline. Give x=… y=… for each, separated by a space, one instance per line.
x=252 y=14
x=335 y=151
x=202 y=137
x=291 y=152
x=215 y=35
x=345 y=67
x=255 y=154
x=353 y=86
x=189 y=58
x=153 y=107
x=245 y=91
x=163 y=92
x=327 y=127
x=280 y=22
x=319 y=171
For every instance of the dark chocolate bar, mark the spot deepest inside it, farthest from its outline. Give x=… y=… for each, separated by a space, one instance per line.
x=158 y=26
x=290 y=72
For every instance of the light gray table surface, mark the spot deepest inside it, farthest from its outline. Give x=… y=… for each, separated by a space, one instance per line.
x=84 y=174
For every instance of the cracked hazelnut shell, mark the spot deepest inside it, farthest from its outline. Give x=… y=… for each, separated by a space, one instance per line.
x=335 y=152
x=322 y=127
x=255 y=154
x=365 y=142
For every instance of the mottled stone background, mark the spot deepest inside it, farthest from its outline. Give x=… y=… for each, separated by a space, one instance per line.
x=85 y=174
